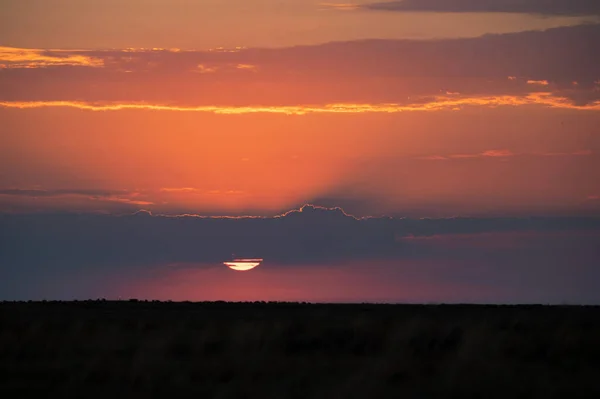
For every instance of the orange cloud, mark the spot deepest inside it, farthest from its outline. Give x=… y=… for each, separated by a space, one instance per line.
x=153 y=49
x=123 y=200
x=236 y=49
x=501 y=154
x=247 y=67
x=538 y=82
x=36 y=58
x=435 y=104
x=341 y=6
x=179 y=190
x=205 y=69
x=488 y=153
x=497 y=153
x=202 y=68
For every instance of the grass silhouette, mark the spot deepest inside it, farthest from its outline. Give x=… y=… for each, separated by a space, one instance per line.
x=290 y=350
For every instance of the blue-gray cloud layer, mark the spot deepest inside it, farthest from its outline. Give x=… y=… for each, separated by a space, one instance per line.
x=312 y=235
x=38 y=251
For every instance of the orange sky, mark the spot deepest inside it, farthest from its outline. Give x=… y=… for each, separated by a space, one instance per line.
x=206 y=24
x=459 y=124
x=529 y=160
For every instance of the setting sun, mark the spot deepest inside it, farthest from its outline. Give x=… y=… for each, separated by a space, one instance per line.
x=243 y=265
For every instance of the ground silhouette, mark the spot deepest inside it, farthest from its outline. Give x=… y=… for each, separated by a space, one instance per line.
x=297 y=350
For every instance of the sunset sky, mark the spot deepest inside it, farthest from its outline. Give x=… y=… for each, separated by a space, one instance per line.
x=449 y=150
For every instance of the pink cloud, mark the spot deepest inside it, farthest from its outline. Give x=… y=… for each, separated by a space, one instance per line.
x=538 y=82
x=434 y=158
x=502 y=154
x=497 y=153
x=574 y=153
x=485 y=154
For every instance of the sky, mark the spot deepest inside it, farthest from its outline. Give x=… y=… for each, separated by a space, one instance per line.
x=399 y=151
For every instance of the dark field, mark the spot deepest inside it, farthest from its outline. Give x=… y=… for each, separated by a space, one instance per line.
x=277 y=350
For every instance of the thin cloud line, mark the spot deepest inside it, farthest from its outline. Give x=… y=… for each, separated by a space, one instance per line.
x=306 y=207
x=437 y=104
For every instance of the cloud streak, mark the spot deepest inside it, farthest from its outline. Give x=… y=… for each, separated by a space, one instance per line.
x=11 y=57
x=503 y=154
x=119 y=196
x=539 y=7
x=59 y=192
x=440 y=103
x=538 y=82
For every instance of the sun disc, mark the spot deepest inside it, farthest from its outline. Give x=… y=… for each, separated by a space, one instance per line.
x=242 y=265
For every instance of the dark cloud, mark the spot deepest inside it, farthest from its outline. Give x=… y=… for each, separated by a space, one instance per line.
x=369 y=71
x=313 y=234
x=19 y=200
x=540 y=7
x=75 y=255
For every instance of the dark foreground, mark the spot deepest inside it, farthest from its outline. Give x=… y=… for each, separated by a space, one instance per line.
x=222 y=350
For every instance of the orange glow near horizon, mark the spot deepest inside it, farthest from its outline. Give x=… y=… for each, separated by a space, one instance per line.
x=243 y=265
